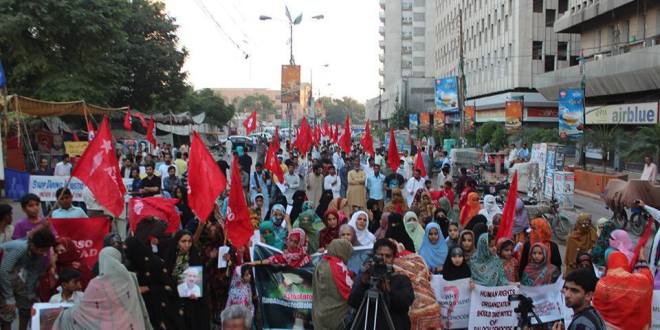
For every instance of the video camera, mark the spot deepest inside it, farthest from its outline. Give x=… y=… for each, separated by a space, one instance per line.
x=525 y=308
x=378 y=269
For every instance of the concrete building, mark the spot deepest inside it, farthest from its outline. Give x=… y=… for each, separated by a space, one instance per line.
x=403 y=45
x=506 y=44
x=621 y=54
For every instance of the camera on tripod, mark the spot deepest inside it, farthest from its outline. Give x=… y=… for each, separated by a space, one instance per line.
x=378 y=269
x=524 y=309
x=373 y=306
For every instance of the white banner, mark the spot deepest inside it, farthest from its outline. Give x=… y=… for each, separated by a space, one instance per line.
x=490 y=308
x=454 y=300
x=655 y=316
x=549 y=303
x=46 y=187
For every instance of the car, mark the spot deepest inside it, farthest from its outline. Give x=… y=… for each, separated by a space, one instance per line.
x=260 y=135
x=240 y=140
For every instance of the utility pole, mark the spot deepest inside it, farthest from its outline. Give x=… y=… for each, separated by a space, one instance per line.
x=461 y=76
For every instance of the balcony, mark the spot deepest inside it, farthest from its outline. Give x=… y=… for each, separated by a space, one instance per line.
x=580 y=13
x=382 y=4
x=382 y=16
x=381 y=58
x=406 y=35
x=381 y=72
x=381 y=30
x=406 y=6
x=406 y=20
x=381 y=43
x=406 y=50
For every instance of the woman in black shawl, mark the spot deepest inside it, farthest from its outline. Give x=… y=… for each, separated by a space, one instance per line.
x=397 y=231
x=298 y=200
x=452 y=272
x=479 y=229
x=181 y=254
x=326 y=198
x=157 y=286
x=479 y=218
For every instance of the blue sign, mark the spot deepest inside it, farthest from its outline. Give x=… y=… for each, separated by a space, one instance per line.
x=16 y=183
x=3 y=78
x=413 y=121
x=571 y=113
x=446 y=94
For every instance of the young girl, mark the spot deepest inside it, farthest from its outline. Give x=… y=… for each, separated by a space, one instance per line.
x=539 y=271
x=510 y=264
x=331 y=230
x=485 y=266
x=434 y=248
x=452 y=237
x=240 y=291
x=294 y=256
x=455 y=267
x=467 y=244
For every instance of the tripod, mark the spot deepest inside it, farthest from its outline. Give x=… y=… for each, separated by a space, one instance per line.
x=525 y=308
x=372 y=302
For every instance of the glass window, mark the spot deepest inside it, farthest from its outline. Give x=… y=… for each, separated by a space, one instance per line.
x=549 y=17
x=538 y=6
x=549 y=63
x=537 y=50
x=562 y=51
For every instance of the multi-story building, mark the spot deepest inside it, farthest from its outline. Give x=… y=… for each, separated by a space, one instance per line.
x=506 y=44
x=403 y=58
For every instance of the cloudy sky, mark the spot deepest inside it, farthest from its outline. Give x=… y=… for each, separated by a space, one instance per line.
x=346 y=39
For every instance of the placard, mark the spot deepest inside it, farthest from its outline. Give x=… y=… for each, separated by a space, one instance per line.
x=513 y=111
x=45 y=186
x=86 y=233
x=75 y=148
x=190 y=282
x=454 y=300
x=45 y=314
x=490 y=308
x=549 y=303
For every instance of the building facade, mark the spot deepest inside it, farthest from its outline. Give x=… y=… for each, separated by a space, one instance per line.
x=506 y=44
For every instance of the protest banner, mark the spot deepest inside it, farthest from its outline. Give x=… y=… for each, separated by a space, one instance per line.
x=655 y=316
x=86 y=233
x=549 y=303
x=491 y=309
x=75 y=148
x=454 y=300
x=45 y=314
x=16 y=184
x=45 y=186
x=285 y=293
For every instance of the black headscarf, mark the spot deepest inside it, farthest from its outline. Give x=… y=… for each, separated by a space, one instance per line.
x=479 y=218
x=479 y=229
x=325 y=200
x=451 y=272
x=443 y=221
x=298 y=200
x=397 y=231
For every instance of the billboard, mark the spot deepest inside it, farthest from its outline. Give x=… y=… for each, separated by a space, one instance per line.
x=470 y=113
x=439 y=120
x=623 y=114
x=413 y=121
x=446 y=94
x=513 y=111
x=290 y=84
x=571 y=113
x=424 y=120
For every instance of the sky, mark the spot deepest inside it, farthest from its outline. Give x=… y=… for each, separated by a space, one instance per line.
x=346 y=39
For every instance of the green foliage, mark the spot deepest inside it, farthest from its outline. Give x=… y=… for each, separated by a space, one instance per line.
x=400 y=118
x=336 y=110
x=604 y=137
x=646 y=142
x=485 y=132
x=257 y=102
x=106 y=52
x=498 y=140
x=531 y=135
x=217 y=112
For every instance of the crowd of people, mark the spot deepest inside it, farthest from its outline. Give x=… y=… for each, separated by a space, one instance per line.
x=329 y=201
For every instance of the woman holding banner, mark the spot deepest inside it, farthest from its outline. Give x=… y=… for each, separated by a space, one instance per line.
x=485 y=265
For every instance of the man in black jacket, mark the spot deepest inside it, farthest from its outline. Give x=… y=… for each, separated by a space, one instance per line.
x=396 y=290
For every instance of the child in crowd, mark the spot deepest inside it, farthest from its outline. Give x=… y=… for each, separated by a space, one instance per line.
x=70 y=287
x=467 y=244
x=30 y=203
x=539 y=271
x=505 y=252
x=455 y=267
x=452 y=237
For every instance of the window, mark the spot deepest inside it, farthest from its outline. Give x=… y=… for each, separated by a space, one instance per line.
x=549 y=63
x=419 y=17
x=537 y=50
x=563 y=6
x=549 y=17
x=538 y=6
x=562 y=51
x=575 y=60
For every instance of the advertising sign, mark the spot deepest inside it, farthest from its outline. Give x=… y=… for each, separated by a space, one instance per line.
x=413 y=121
x=439 y=120
x=483 y=116
x=623 y=114
x=290 y=84
x=424 y=120
x=571 y=113
x=446 y=94
x=513 y=111
x=470 y=113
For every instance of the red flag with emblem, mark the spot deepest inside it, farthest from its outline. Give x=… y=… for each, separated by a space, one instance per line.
x=393 y=153
x=159 y=207
x=91 y=133
x=250 y=123
x=143 y=121
x=335 y=134
x=305 y=137
x=98 y=169
x=325 y=130
x=317 y=134
x=508 y=214
x=238 y=227
x=345 y=139
x=419 y=163
x=367 y=140
x=273 y=164
x=150 y=132
x=205 y=179
x=128 y=122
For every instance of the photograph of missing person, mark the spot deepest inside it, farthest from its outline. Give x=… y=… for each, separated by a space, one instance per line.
x=190 y=283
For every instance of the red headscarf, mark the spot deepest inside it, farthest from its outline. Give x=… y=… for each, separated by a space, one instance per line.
x=623 y=298
x=327 y=234
x=297 y=257
x=471 y=208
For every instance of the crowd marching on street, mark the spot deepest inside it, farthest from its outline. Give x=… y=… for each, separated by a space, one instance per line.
x=314 y=200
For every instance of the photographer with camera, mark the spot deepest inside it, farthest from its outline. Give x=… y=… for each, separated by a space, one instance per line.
x=394 y=290
x=579 y=287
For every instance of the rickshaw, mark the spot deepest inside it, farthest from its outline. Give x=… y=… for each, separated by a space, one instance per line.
x=621 y=195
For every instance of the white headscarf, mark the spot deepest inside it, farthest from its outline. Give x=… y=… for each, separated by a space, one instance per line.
x=365 y=237
x=490 y=209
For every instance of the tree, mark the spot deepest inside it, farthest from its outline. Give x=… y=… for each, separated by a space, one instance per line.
x=217 y=112
x=257 y=102
x=399 y=119
x=485 y=132
x=106 y=52
x=606 y=138
x=646 y=142
x=336 y=110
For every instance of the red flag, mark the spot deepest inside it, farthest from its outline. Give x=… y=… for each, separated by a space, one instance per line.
x=367 y=141
x=75 y=137
x=237 y=224
x=345 y=139
x=642 y=242
x=86 y=233
x=159 y=207
x=250 y=123
x=90 y=131
x=276 y=140
x=143 y=121
x=98 y=169
x=273 y=164
x=506 y=224
x=304 y=139
x=205 y=180
x=150 y=132
x=128 y=121
x=317 y=134
x=393 y=153
x=326 y=131
x=419 y=163
x=334 y=135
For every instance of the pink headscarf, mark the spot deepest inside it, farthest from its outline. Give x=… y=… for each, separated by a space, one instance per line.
x=620 y=241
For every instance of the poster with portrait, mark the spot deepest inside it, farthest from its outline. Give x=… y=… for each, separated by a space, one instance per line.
x=45 y=314
x=190 y=283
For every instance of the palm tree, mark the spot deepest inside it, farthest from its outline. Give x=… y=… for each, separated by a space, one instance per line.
x=606 y=138
x=646 y=141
